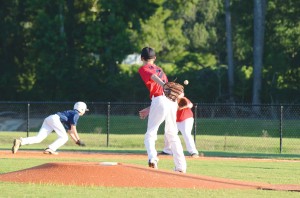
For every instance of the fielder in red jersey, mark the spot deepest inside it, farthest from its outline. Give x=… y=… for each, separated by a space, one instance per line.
x=185 y=122
x=185 y=113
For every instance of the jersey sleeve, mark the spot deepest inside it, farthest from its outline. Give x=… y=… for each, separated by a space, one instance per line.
x=75 y=119
x=145 y=73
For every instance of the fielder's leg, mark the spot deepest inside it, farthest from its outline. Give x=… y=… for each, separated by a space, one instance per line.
x=155 y=118
x=171 y=132
x=54 y=121
x=186 y=127
x=45 y=130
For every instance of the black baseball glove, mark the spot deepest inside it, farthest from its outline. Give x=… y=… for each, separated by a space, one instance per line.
x=80 y=143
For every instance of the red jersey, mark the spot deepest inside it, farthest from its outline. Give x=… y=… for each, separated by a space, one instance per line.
x=184 y=114
x=146 y=71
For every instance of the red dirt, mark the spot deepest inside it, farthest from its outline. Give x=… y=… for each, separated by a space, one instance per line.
x=119 y=175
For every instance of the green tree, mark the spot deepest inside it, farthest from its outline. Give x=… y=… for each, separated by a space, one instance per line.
x=203 y=29
x=163 y=32
x=17 y=75
x=72 y=49
x=282 y=55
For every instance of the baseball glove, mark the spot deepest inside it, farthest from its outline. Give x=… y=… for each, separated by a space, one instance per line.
x=80 y=143
x=173 y=90
x=182 y=102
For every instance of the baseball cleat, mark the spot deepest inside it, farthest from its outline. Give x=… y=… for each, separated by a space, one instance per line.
x=50 y=151
x=153 y=164
x=180 y=171
x=16 y=146
x=194 y=155
x=163 y=153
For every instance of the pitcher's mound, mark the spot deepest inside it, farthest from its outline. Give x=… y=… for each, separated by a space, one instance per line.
x=120 y=175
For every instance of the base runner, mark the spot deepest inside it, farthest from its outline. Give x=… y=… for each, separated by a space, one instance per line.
x=59 y=122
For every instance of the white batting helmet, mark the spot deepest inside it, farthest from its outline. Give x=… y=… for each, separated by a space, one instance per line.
x=81 y=107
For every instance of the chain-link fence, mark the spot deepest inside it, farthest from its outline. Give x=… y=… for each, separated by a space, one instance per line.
x=248 y=128
x=217 y=127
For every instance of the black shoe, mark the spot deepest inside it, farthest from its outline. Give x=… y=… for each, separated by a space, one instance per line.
x=163 y=153
x=153 y=164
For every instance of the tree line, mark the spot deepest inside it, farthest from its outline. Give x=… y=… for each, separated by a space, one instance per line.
x=230 y=50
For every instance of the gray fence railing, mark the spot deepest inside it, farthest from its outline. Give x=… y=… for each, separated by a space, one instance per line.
x=217 y=127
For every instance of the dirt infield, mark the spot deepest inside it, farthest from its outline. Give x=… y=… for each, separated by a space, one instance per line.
x=119 y=174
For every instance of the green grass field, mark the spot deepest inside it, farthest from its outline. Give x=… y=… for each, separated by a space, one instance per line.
x=237 y=145
x=215 y=134
x=132 y=124
x=267 y=171
x=235 y=135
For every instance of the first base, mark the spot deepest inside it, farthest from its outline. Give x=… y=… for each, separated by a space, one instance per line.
x=108 y=163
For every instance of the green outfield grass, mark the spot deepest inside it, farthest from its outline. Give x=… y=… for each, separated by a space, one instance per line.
x=212 y=135
x=132 y=124
x=224 y=145
x=48 y=190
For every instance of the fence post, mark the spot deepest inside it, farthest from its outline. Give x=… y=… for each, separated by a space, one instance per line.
x=28 y=114
x=195 y=122
x=280 y=127
x=108 y=119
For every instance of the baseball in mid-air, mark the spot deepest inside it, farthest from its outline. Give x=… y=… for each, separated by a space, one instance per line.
x=186 y=82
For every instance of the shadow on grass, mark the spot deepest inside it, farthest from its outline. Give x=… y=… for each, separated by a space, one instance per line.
x=251 y=155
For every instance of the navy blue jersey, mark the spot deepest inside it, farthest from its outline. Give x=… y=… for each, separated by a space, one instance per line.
x=68 y=118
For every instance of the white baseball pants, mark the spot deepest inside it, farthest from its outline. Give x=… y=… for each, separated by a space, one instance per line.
x=50 y=123
x=163 y=109
x=185 y=127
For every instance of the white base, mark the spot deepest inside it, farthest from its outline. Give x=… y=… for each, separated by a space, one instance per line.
x=108 y=163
